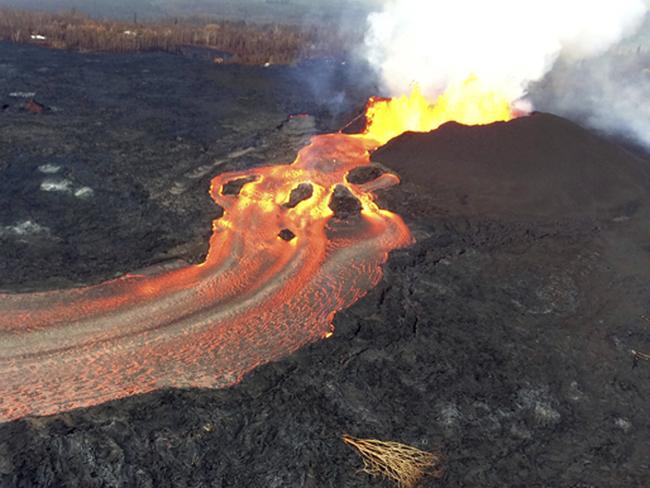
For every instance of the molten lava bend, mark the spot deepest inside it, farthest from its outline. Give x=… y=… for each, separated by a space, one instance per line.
x=256 y=297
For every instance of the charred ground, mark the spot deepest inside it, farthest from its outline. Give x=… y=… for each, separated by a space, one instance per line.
x=502 y=338
x=114 y=174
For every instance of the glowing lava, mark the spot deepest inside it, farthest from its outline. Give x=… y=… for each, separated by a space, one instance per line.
x=469 y=103
x=256 y=297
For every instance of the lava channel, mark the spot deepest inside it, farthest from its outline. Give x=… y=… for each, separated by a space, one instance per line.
x=256 y=298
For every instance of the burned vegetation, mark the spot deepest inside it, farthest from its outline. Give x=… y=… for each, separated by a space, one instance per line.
x=232 y=42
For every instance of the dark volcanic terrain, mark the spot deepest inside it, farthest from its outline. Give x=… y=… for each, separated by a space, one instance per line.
x=507 y=337
x=114 y=174
x=540 y=166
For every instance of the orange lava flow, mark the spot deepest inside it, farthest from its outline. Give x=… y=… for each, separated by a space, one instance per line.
x=255 y=299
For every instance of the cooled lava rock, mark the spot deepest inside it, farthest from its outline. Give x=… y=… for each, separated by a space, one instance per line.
x=298 y=125
x=364 y=174
x=357 y=125
x=483 y=333
x=286 y=235
x=233 y=187
x=343 y=203
x=219 y=211
x=302 y=192
x=32 y=106
x=536 y=166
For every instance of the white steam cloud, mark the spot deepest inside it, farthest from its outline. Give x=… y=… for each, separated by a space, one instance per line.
x=609 y=92
x=505 y=43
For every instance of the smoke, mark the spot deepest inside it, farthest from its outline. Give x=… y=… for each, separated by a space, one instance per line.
x=507 y=44
x=608 y=92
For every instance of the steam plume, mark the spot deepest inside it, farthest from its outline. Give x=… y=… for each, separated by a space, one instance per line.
x=609 y=92
x=505 y=43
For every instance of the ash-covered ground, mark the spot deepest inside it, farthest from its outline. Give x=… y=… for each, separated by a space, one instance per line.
x=504 y=338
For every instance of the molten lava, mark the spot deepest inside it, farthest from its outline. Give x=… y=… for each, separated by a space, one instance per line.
x=469 y=103
x=256 y=297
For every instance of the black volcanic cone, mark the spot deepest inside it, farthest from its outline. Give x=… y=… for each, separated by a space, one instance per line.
x=541 y=165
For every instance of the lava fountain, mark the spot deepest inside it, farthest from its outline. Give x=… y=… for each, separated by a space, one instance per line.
x=257 y=296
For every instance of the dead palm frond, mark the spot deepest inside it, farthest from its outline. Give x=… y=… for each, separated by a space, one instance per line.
x=405 y=465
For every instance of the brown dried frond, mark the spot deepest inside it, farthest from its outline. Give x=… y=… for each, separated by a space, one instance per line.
x=640 y=355
x=406 y=465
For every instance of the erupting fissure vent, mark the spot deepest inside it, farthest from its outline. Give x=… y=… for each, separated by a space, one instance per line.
x=469 y=103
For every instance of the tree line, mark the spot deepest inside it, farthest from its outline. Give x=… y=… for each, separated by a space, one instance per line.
x=245 y=43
